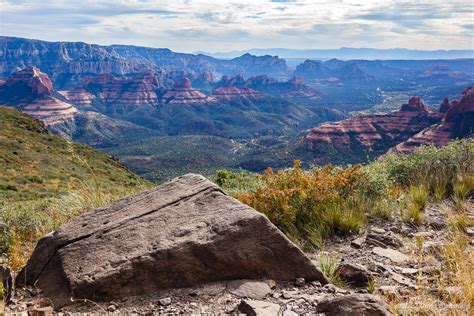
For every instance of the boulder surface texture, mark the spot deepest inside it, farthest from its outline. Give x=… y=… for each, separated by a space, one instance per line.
x=179 y=234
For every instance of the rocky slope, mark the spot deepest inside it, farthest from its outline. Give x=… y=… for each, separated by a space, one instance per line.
x=458 y=122
x=372 y=134
x=32 y=91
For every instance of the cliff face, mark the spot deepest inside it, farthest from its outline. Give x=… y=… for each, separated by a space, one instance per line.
x=67 y=63
x=235 y=93
x=32 y=91
x=292 y=89
x=458 y=122
x=312 y=70
x=372 y=133
x=117 y=94
x=184 y=93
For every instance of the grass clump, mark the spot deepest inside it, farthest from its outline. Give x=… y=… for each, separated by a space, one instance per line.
x=329 y=265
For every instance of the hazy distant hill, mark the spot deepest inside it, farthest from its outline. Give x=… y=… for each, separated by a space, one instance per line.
x=348 y=53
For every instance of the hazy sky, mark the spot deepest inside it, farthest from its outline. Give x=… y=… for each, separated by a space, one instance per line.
x=192 y=25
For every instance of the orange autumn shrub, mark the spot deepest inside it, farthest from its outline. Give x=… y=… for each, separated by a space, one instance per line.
x=308 y=205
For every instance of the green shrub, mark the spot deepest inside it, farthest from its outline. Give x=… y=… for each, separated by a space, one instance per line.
x=236 y=182
x=428 y=165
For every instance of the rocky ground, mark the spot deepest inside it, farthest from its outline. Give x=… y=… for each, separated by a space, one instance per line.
x=395 y=262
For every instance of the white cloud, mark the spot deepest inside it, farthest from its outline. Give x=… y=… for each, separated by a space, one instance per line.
x=219 y=25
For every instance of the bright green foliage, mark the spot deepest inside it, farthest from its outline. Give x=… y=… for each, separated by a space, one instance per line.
x=236 y=182
x=430 y=166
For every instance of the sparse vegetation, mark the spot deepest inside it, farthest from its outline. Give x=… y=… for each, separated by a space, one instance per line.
x=47 y=180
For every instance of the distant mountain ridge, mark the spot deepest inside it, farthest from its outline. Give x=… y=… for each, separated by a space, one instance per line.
x=347 y=53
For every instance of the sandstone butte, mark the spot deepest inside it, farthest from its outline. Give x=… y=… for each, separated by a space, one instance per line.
x=140 y=90
x=457 y=122
x=375 y=132
x=183 y=233
x=32 y=91
x=184 y=93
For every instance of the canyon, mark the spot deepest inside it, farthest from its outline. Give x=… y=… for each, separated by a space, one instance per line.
x=413 y=125
x=263 y=112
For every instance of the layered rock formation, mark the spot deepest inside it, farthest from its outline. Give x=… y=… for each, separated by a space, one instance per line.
x=458 y=122
x=377 y=133
x=32 y=91
x=117 y=94
x=79 y=97
x=67 y=63
x=183 y=233
x=184 y=93
x=312 y=70
x=292 y=89
x=236 y=93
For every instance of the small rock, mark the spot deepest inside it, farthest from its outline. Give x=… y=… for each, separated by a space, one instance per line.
x=405 y=229
x=260 y=308
x=423 y=234
x=165 y=301
x=330 y=288
x=402 y=280
x=41 y=311
x=394 y=255
x=289 y=312
x=112 y=308
x=287 y=294
x=248 y=288
x=300 y=282
x=354 y=274
x=277 y=295
x=409 y=271
x=353 y=305
x=436 y=223
x=271 y=283
x=378 y=230
x=383 y=240
x=316 y=284
x=358 y=242
x=470 y=231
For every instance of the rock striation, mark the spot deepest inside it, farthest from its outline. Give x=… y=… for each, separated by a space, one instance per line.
x=32 y=91
x=184 y=93
x=180 y=234
x=375 y=132
x=236 y=93
x=123 y=94
x=458 y=122
x=292 y=89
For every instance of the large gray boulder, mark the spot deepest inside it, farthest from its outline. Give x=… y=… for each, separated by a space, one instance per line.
x=179 y=234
